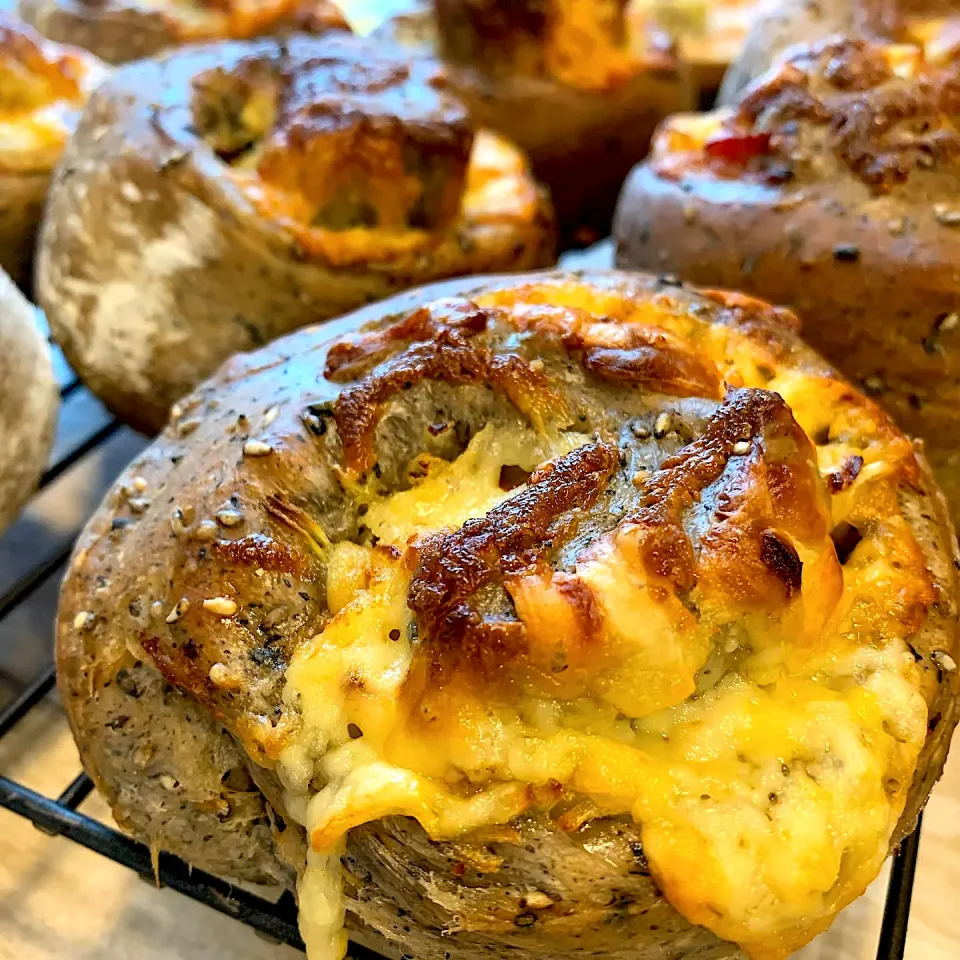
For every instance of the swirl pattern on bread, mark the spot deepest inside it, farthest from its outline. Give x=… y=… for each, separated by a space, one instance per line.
x=580 y=563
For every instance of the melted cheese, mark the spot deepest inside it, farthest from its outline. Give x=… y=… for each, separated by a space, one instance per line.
x=499 y=193
x=766 y=803
x=43 y=89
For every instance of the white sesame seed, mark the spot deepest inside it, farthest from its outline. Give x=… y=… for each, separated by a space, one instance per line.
x=874 y=384
x=228 y=517
x=221 y=606
x=176 y=412
x=84 y=620
x=168 y=783
x=138 y=504
x=220 y=675
x=943 y=660
x=256 y=448
x=205 y=530
x=187 y=427
x=950 y=322
x=130 y=192
x=537 y=365
x=139 y=484
x=178 y=523
x=741 y=447
x=662 y=425
x=948 y=216
x=538 y=900
x=183 y=605
x=271 y=415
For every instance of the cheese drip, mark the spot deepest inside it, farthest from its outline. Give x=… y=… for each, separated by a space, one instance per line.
x=766 y=803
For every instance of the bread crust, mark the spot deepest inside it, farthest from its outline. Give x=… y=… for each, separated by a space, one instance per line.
x=29 y=400
x=495 y=54
x=855 y=236
x=201 y=507
x=777 y=26
x=186 y=270
x=119 y=31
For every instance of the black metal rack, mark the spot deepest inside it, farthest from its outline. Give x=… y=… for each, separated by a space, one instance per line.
x=82 y=437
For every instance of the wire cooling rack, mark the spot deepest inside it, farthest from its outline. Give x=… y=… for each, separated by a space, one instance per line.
x=86 y=432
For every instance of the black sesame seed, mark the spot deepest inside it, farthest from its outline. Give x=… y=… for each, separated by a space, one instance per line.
x=846 y=253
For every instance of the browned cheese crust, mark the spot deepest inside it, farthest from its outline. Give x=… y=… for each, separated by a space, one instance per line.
x=205 y=572
x=575 y=84
x=221 y=196
x=830 y=188
x=122 y=30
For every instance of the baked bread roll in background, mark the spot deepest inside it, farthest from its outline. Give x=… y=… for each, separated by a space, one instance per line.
x=832 y=187
x=43 y=89
x=564 y=615
x=780 y=24
x=579 y=86
x=123 y=30
x=29 y=399
x=220 y=196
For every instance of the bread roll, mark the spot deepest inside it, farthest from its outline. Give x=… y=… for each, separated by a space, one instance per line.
x=223 y=195
x=28 y=401
x=831 y=188
x=565 y=615
x=122 y=30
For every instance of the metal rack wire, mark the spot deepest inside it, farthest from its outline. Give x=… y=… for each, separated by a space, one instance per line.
x=85 y=430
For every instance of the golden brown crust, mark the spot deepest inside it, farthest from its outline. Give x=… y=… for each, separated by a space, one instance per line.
x=225 y=244
x=43 y=89
x=215 y=542
x=122 y=30
x=829 y=188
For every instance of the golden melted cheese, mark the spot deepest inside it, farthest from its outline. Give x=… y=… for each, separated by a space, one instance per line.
x=581 y=49
x=43 y=89
x=500 y=194
x=767 y=802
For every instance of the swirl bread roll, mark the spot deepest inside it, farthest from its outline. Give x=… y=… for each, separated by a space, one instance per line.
x=121 y=30
x=43 y=89
x=831 y=188
x=561 y=615
x=781 y=24
x=578 y=85
x=220 y=196
x=28 y=401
